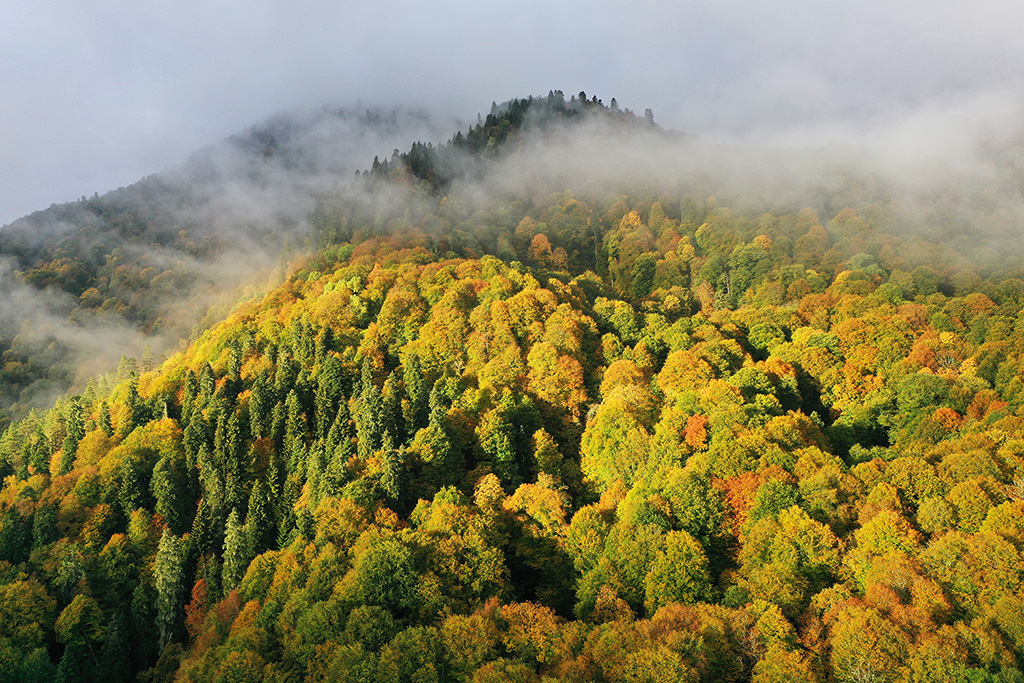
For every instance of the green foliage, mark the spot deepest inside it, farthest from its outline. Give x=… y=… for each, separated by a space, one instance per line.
x=684 y=443
x=168 y=575
x=679 y=573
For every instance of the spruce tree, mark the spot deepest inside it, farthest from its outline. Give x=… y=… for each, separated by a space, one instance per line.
x=236 y=552
x=339 y=447
x=286 y=517
x=142 y=624
x=339 y=424
x=201 y=536
x=196 y=436
x=106 y=424
x=258 y=522
x=130 y=494
x=315 y=473
x=369 y=413
x=445 y=459
x=260 y=408
x=70 y=669
x=169 y=488
x=44 y=526
x=207 y=386
x=329 y=392
x=131 y=415
x=392 y=477
x=284 y=377
x=189 y=394
x=168 y=575
x=74 y=428
x=114 y=664
x=393 y=422
x=417 y=391
x=278 y=422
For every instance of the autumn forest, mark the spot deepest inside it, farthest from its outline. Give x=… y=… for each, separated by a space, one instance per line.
x=551 y=432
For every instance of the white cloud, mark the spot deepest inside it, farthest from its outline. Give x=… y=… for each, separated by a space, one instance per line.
x=99 y=94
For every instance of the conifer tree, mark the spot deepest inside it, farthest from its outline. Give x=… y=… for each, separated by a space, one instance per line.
x=44 y=526
x=201 y=536
x=418 y=393
x=295 y=422
x=315 y=473
x=196 y=436
x=207 y=386
x=74 y=427
x=143 y=621
x=132 y=410
x=15 y=536
x=285 y=511
x=189 y=394
x=234 y=372
x=278 y=422
x=70 y=669
x=259 y=526
x=392 y=477
x=36 y=668
x=210 y=480
x=169 y=488
x=237 y=438
x=369 y=412
x=284 y=376
x=445 y=460
x=340 y=428
x=329 y=391
x=260 y=408
x=393 y=422
x=105 y=423
x=168 y=575
x=236 y=552
x=114 y=664
x=130 y=494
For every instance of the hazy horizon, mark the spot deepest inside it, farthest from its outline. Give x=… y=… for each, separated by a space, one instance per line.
x=102 y=95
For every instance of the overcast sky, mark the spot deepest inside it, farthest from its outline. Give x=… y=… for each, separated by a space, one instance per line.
x=98 y=94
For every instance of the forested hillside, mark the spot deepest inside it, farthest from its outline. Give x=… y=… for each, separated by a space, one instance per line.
x=141 y=265
x=550 y=432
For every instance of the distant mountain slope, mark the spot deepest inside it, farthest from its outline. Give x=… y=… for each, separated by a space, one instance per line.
x=90 y=280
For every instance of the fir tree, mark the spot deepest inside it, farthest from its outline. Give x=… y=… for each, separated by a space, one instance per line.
x=130 y=492
x=131 y=414
x=74 y=427
x=168 y=575
x=261 y=407
x=143 y=624
x=237 y=553
x=189 y=394
x=114 y=664
x=259 y=526
x=201 y=535
x=169 y=489
x=106 y=424
x=393 y=422
x=329 y=392
x=207 y=386
x=369 y=413
x=418 y=393
x=44 y=526
x=392 y=477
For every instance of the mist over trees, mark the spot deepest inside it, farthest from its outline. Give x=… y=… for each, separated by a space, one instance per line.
x=567 y=397
x=138 y=267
